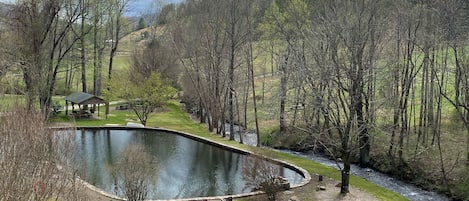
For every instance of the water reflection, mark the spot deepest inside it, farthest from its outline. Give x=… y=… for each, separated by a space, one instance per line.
x=186 y=168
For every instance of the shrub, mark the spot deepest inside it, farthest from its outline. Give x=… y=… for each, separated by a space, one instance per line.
x=136 y=170
x=461 y=185
x=260 y=175
x=36 y=162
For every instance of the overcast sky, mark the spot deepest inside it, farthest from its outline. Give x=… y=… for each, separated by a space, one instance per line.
x=139 y=7
x=136 y=7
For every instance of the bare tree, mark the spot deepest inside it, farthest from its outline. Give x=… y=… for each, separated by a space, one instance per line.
x=84 y=10
x=115 y=27
x=238 y=34
x=156 y=56
x=352 y=44
x=202 y=54
x=457 y=93
x=135 y=170
x=404 y=73
x=42 y=30
x=259 y=174
x=98 y=11
x=36 y=162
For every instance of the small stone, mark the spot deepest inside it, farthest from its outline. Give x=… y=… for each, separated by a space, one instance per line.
x=321 y=188
x=294 y=198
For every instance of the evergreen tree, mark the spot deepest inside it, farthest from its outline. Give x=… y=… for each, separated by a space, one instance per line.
x=141 y=23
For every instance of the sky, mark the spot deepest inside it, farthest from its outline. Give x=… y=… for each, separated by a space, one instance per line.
x=140 y=7
x=136 y=7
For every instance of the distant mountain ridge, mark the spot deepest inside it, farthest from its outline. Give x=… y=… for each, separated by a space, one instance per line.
x=5 y=7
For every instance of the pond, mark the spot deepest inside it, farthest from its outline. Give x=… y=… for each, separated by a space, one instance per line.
x=187 y=168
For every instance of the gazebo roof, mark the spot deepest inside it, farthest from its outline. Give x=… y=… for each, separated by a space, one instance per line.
x=82 y=98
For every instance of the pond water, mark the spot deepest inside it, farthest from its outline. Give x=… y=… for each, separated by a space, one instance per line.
x=186 y=168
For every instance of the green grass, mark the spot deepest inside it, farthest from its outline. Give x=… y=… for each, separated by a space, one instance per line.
x=117 y=117
x=10 y=101
x=176 y=119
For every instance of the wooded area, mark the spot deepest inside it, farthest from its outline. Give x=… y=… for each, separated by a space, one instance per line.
x=381 y=83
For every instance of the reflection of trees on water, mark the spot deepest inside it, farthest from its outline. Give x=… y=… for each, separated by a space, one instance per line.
x=211 y=171
x=162 y=145
x=109 y=160
x=95 y=164
x=98 y=149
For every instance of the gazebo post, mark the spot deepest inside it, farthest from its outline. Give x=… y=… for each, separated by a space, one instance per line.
x=66 y=107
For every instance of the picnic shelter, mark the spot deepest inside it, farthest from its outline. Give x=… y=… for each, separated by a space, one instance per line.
x=84 y=100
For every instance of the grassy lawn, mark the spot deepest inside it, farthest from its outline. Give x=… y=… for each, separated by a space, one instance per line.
x=11 y=101
x=176 y=119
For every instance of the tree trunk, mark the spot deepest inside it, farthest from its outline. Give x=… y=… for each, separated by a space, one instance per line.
x=232 y=34
x=82 y=49
x=363 y=136
x=434 y=123
x=253 y=88
x=344 y=187
x=114 y=44
x=97 y=53
x=283 y=92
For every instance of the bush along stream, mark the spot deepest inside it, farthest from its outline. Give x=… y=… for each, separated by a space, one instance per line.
x=409 y=191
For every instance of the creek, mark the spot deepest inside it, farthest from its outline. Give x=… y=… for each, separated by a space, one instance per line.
x=409 y=191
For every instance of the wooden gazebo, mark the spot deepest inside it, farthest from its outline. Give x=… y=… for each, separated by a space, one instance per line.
x=84 y=99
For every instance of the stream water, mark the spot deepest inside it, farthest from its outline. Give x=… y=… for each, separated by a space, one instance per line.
x=409 y=191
